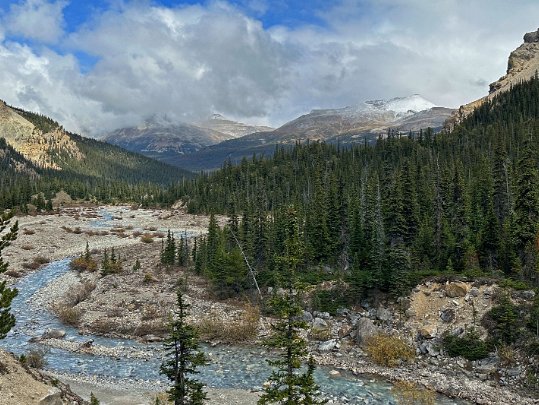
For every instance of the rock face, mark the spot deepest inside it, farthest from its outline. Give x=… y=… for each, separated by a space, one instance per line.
x=53 y=397
x=454 y=290
x=522 y=64
x=37 y=146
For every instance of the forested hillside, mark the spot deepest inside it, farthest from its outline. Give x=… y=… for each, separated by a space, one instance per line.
x=464 y=202
x=87 y=169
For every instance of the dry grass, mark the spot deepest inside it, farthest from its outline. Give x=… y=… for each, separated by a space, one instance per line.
x=83 y=264
x=146 y=238
x=212 y=327
x=409 y=393
x=387 y=350
x=79 y=293
x=27 y=247
x=27 y=231
x=68 y=314
x=13 y=273
x=34 y=358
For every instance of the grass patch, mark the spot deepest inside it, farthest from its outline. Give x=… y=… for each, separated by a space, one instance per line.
x=409 y=393
x=387 y=350
x=212 y=327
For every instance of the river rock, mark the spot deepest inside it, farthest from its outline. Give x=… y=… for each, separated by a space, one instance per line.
x=328 y=345
x=53 y=334
x=53 y=397
x=428 y=331
x=384 y=314
x=307 y=316
x=365 y=328
x=447 y=315
x=456 y=289
x=319 y=323
x=322 y=315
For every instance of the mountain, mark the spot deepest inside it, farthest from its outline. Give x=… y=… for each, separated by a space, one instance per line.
x=43 y=144
x=366 y=121
x=231 y=128
x=522 y=65
x=164 y=140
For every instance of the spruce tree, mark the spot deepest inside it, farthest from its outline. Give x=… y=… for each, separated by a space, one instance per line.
x=287 y=383
x=183 y=358
x=7 y=320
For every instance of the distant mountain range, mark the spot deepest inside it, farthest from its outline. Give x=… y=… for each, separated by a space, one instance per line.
x=208 y=144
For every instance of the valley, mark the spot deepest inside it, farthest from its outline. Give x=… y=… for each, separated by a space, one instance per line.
x=112 y=348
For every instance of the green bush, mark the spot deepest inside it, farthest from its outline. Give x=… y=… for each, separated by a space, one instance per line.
x=331 y=300
x=503 y=322
x=468 y=346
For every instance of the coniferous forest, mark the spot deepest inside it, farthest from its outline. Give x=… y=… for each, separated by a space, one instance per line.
x=385 y=216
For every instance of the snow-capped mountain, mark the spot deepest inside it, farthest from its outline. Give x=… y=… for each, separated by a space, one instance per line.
x=364 y=122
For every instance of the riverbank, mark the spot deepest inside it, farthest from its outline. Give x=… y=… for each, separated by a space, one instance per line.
x=136 y=303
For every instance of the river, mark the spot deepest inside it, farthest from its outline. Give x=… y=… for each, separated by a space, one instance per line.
x=230 y=367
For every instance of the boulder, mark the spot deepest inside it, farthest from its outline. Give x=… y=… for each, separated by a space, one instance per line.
x=531 y=37
x=307 y=317
x=474 y=292
x=428 y=331
x=323 y=315
x=384 y=314
x=328 y=345
x=320 y=329
x=365 y=328
x=53 y=334
x=410 y=313
x=456 y=289
x=447 y=315
x=53 y=397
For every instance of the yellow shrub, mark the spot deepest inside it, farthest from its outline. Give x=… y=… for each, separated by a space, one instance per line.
x=387 y=350
x=212 y=327
x=409 y=393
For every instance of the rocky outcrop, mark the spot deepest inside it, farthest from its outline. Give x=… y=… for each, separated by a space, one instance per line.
x=35 y=145
x=522 y=64
x=21 y=385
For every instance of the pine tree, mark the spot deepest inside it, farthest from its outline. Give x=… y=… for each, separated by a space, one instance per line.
x=287 y=385
x=7 y=320
x=168 y=255
x=183 y=358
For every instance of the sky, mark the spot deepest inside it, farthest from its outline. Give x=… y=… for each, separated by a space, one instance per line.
x=98 y=65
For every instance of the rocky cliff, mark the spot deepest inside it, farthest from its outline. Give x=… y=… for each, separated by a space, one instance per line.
x=40 y=147
x=522 y=65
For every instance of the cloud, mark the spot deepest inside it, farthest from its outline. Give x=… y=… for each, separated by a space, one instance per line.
x=39 y=20
x=190 y=61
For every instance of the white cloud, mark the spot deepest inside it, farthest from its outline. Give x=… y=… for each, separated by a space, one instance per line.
x=190 y=61
x=39 y=20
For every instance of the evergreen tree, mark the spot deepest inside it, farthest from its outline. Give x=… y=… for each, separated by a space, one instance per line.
x=183 y=358
x=168 y=255
x=7 y=320
x=287 y=384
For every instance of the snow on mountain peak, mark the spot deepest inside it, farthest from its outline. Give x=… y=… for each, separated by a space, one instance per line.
x=414 y=103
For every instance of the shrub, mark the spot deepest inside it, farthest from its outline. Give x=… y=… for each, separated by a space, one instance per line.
x=27 y=247
x=83 y=264
x=41 y=260
x=409 y=393
x=80 y=293
x=502 y=321
x=387 y=350
x=149 y=278
x=213 y=327
x=34 y=358
x=68 y=314
x=146 y=238
x=468 y=346
x=331 y=300
x=27 y=231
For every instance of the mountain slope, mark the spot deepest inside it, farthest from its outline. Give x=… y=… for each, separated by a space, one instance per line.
x=345 y=125
x=522 y=65
x=167 y=141
x=231 y=128
x=45 y=144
